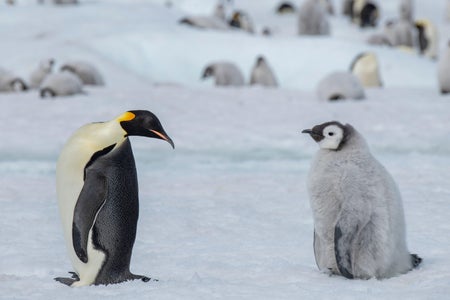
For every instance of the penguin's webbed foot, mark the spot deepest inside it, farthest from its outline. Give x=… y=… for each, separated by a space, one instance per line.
x=144 y=278
x=65 y=280
x=68 y=281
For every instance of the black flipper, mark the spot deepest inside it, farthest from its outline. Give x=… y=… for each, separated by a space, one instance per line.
x=90 y=200
x=342 y=246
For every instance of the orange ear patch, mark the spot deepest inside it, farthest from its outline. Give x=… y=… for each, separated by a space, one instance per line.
x=128 y=116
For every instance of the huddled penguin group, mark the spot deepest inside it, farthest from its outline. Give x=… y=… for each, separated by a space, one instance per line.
x=227 y=73
x=70 y=79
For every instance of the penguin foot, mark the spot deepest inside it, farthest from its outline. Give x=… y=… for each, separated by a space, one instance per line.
x=65 y=280
x=144 y=278
x=68 y=281
x=416 y=260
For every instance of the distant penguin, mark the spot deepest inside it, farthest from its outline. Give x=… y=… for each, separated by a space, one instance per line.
x=44 y=68
x=328 y=6
x=365 y=67
x=365 y=13
x=400 y=33
x=313 y=19
x=97 y=191
x=64 y=2
x=406 y=10
x=224 y=73
x=262 y=74
x=285 y=8
x=359 y=224
x=10 y=82
x=347 y=8
x=427 y=38
x=86 y=71
x=61 y=84
x=444 y=71
x=242 y=21
x=340 y=86
x=219 y=12
x=205 y=22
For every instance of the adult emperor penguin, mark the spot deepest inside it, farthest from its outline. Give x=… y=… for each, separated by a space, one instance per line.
x=444 y=71
x=97 y=191
x=365 y=67
x=428 y=38
x=365 y=13
x=359 y=225
x=262 y=73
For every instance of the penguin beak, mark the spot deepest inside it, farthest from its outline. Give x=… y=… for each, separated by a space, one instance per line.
x=316 y=136
x=164 y=137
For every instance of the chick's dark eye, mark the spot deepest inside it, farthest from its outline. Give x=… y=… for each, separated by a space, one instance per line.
x=330 y=133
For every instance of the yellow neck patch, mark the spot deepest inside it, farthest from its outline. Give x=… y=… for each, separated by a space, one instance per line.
x=128 y=116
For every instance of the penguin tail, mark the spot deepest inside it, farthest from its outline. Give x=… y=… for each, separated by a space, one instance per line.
x=415 y=260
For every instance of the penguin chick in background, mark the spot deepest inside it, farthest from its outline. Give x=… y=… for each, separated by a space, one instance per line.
x=38 y=75
x=444 y=70
x=359 y=224
x=224 y=73
x=98 y=201
x=262 y=74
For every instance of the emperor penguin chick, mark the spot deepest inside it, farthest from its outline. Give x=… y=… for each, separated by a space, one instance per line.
x=340 y=86
x=224 y=73
x=444 y=71
x=313 y=19
x=359 y=224
x=38 y=75
x=10 y=82
x=365 y=67
x=262 y=73
x=61 y=84
x=98 y=201
x=87 y=72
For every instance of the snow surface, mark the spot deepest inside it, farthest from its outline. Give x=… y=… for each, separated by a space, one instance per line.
x=226 y=214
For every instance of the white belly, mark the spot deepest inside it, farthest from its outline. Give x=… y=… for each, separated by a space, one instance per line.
x=69 y=182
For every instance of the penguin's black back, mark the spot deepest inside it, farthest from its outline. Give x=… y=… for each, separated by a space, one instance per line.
x=114 y=230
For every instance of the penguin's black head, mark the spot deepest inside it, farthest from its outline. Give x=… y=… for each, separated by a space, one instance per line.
x=260 y=60
x=330 y=135
x=208 y=72
x=143 y=123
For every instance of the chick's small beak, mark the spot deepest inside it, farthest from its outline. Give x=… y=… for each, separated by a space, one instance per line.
x=308 y=131
x=164 y=137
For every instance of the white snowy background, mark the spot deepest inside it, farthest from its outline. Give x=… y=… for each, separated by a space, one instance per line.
x=226 y=214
